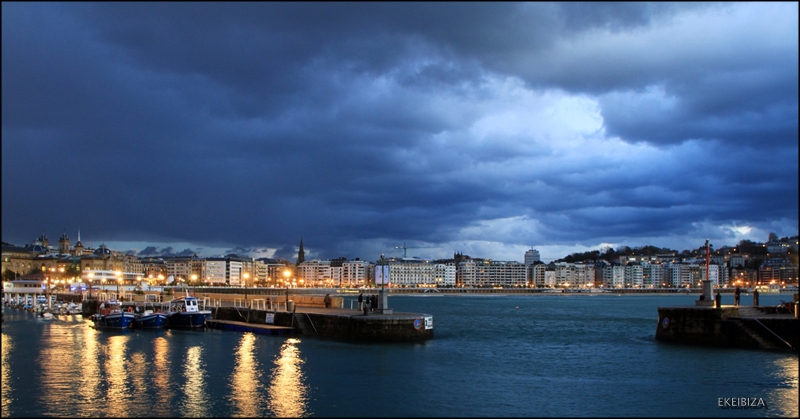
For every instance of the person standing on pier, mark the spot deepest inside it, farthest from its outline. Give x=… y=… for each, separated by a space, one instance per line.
x=360 y=300
x=736 y=294
x=327 y=301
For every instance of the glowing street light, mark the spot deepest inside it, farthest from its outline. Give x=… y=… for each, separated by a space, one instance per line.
x=286 y=275
x=246 y=276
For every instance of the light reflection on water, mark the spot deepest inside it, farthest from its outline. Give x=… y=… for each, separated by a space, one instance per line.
x=194 y=391
x=786 y=399
x=161 y=378
x=245 y=388
x=87 y=380
x=117 y=375
x=287 y=391
x=5 y=373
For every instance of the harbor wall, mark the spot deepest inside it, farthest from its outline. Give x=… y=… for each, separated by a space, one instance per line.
x=722 y=327
x=391 y=328
x=370 y=328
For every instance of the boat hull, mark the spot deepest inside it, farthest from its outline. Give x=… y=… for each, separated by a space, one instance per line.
x=113 y=320
x=184 y=320
x=150 y=321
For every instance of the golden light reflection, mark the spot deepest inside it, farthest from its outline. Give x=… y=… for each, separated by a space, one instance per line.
x=785 y=399
x=161 y=378
x=89 y=378
x=194 y=391
x=55 y=391
x=246 y=391
x=117 y=375
x=137 y=369
x=5 y=374
x=287 y=392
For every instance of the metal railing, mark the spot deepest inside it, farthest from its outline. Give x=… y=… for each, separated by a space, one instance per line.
x=775 y=334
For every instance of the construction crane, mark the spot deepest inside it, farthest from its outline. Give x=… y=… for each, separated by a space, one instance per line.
x=404 y=247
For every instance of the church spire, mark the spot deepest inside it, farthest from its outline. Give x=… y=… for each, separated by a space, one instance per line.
x=301 y=254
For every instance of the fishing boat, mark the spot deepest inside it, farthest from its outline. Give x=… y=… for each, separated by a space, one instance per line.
x=150 y=318
x=185 y=313
x=112 y=316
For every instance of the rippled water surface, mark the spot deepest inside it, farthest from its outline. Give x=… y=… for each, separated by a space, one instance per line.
x=491 y=356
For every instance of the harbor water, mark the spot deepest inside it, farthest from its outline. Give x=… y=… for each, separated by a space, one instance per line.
x=491 y=356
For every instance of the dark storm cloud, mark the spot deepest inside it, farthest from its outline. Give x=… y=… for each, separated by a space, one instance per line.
x=243 y=126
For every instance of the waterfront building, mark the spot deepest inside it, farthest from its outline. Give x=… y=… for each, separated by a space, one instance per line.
x=574 y=274
x=652 y=275
x=777 y=274
x=549 y=277
x=536 y=274
x=260 y=272
x=20 y=260
x=614 y=276
x=737 y=261
x=356 y=273
x=486 y=273
x=154 y=269
x=28 y=289
x=102 y=258
x=446 y=274
x=132 y=263
x=412 y=272
x=531 y=257
x=213 y=271
x=235 y=270
x=181 y=268
x=634 y=275
x=275 y=271
x=678 y=274
x=315 y=273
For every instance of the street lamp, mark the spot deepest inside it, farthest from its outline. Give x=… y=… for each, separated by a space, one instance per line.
x=246 y=275
x=286 y=275
x=90 y=280
x=119 y=279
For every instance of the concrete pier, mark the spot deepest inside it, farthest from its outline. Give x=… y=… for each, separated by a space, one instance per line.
x=338 y=323
x=729 y=326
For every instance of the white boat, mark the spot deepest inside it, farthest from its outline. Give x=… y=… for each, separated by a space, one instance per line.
x=73 y=308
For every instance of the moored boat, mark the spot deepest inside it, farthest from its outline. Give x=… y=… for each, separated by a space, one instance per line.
x=185 y=313
x=71 y=308
x=112 y=316
x=151 y=318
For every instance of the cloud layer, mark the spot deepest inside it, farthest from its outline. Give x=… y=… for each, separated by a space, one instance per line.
x=481 y=128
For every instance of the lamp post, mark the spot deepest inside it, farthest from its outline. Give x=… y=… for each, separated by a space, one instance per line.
x=119 y=280
x=286 y=275
x=383 y=300
x=246 y=275
x=90 y=280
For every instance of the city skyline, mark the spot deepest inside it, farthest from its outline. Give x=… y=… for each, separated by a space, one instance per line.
x=151 y=251
x=485 y=129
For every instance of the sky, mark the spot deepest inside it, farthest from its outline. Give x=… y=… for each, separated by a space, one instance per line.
x=481 y=128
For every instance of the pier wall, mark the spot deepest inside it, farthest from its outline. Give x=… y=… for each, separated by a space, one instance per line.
x=722 y=328
x=370 y=328
x=392 y=328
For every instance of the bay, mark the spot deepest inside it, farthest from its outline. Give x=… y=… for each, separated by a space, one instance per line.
x=491 y=356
